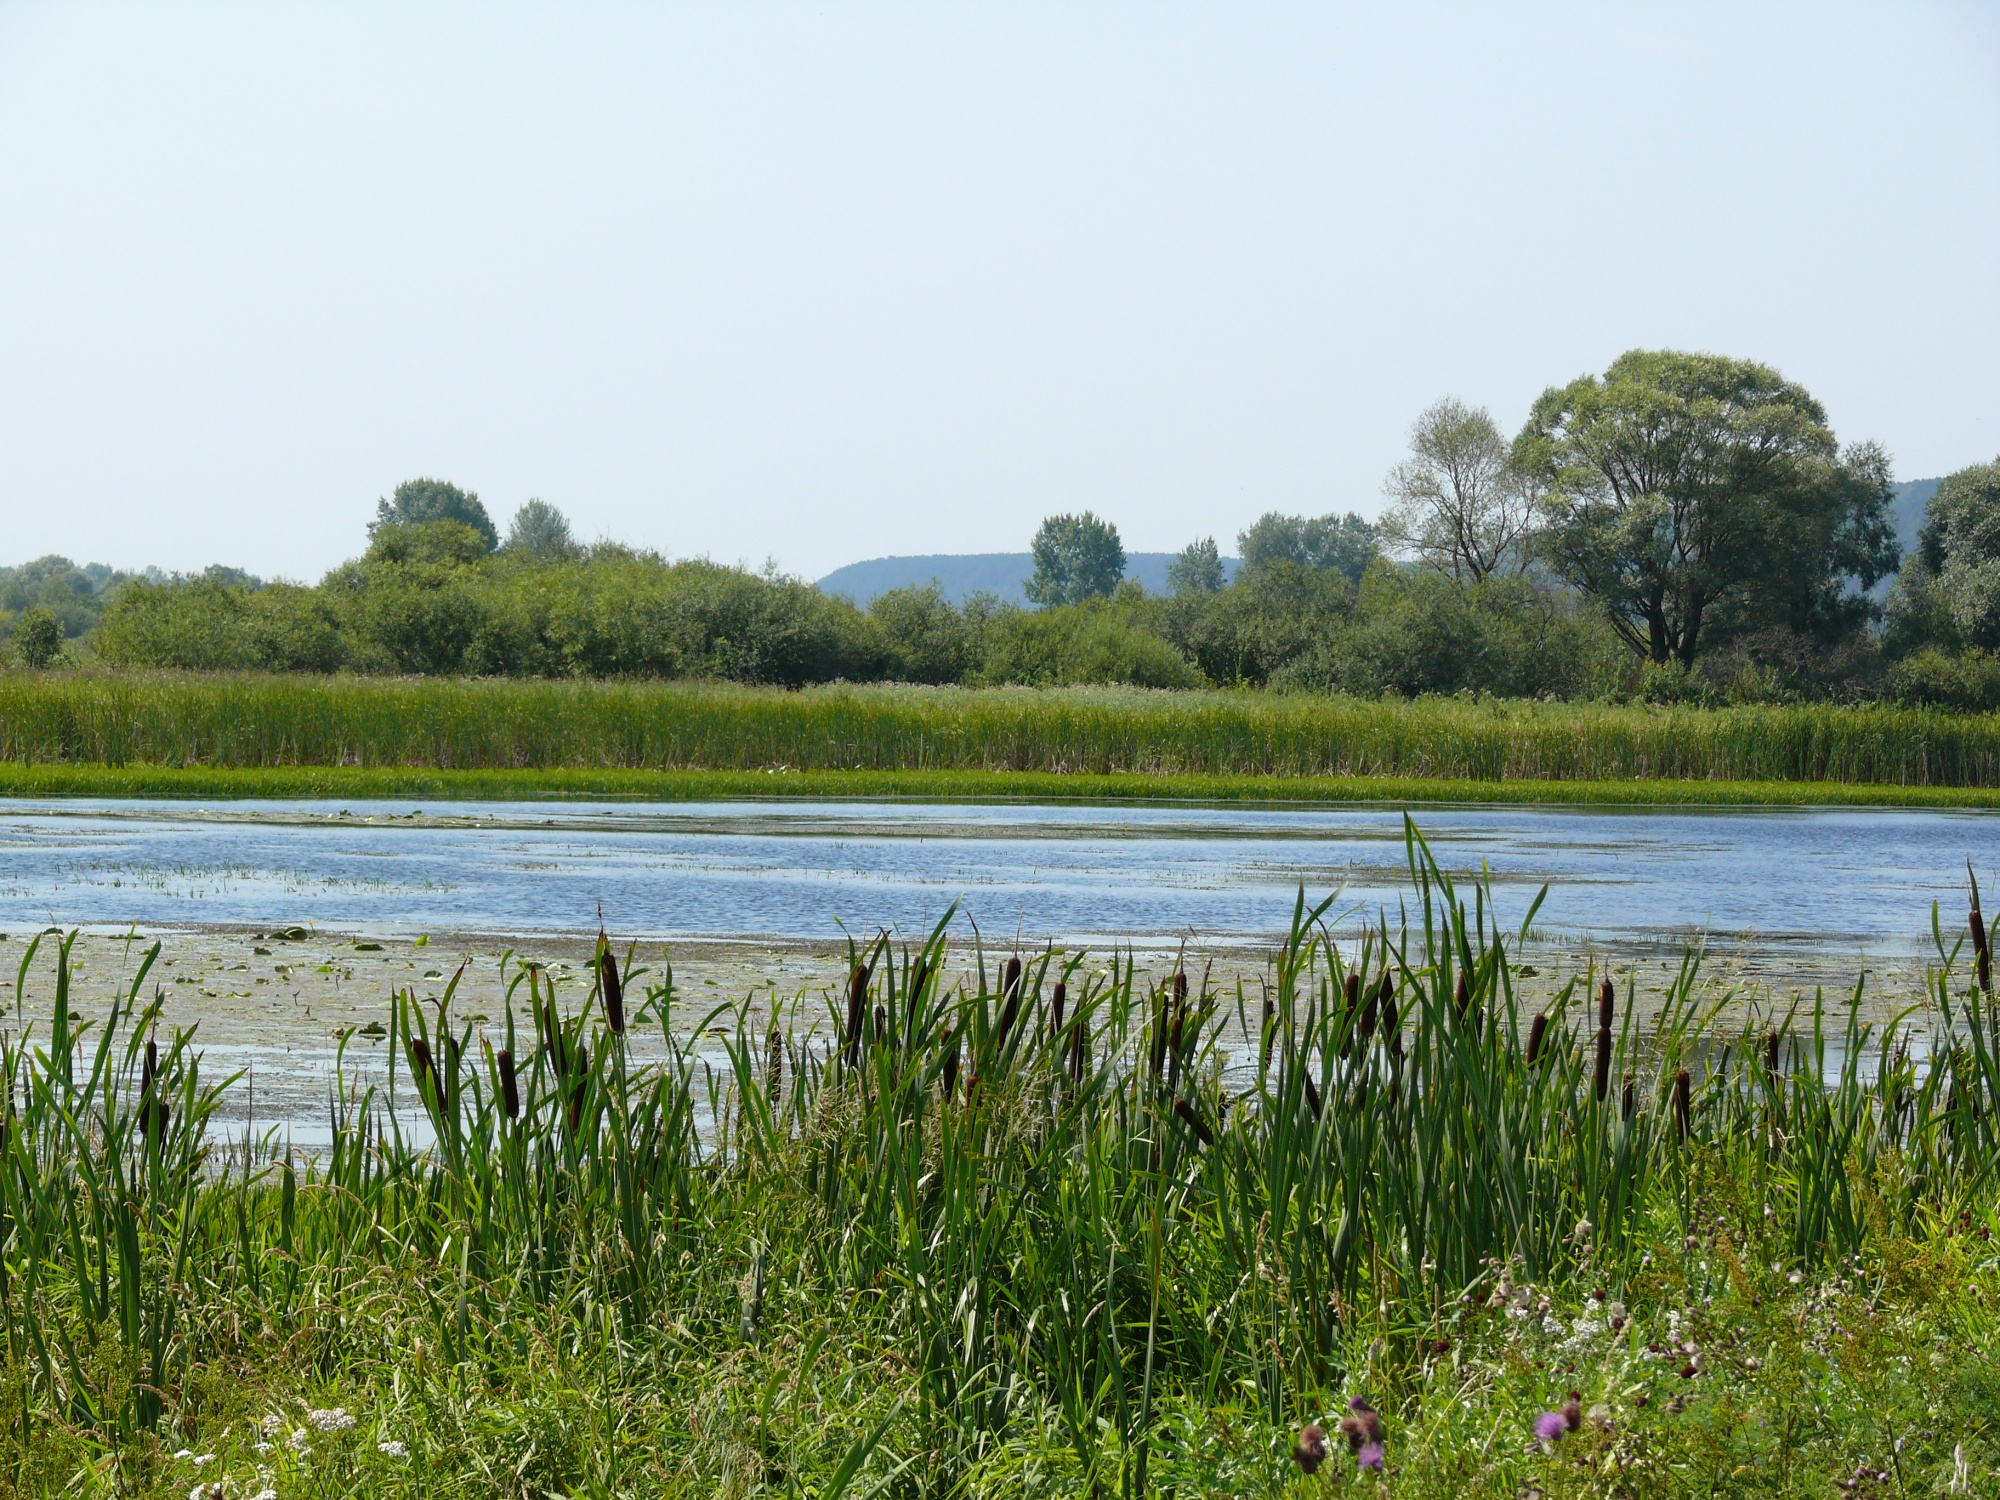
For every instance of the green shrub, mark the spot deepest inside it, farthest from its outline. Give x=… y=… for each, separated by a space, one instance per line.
x=38 y=637
x=920 y=637
x=1083 y=644
x=1965 y=680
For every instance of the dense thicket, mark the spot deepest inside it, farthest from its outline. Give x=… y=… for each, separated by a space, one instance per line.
x=1684 y=528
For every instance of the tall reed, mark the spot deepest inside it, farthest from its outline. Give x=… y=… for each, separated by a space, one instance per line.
x=240 y=720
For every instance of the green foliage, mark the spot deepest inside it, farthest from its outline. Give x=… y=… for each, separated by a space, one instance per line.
x=1691 y=494
x=1272 y=615
x=205 y=624
x=1076 y=558
x=427 y=600
x=1197 y=569
x=38 y=637
x=1101 y=641
x=1457 y=503
x=922 y=638
x=419 y=501
x=540 y=530
x=1948 y=596
x=1417 y=631
x=954 y=1236
x=74 y=595
x=1342 y=544
x=1968 y=680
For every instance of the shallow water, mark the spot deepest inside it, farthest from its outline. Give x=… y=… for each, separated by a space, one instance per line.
x=1840 y=880
x=741 y=896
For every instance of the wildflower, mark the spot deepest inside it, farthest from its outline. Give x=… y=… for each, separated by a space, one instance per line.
x=1551 y=1425
x=1309 y=1452
x=183 y=1453
x=203 y=1458
x=337 y=1419
x=393 y=1448
x=267 y=1493
x=1363 y=1430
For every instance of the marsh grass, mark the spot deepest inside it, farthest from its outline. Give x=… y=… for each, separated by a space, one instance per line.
x=930 y=1240
x=246 y=721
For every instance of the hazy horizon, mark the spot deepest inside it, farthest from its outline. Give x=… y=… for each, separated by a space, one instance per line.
x=759 y=281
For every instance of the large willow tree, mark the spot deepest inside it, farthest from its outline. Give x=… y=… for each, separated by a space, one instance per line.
x=1695 y=495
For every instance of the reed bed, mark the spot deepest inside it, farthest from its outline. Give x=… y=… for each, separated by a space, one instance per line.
x=245 y=721
x=1049 y=1229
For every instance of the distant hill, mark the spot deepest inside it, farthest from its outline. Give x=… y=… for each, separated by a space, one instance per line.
x=1911 y=498
x=963 y=574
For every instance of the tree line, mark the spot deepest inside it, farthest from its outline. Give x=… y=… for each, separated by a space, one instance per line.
x=1680 y=527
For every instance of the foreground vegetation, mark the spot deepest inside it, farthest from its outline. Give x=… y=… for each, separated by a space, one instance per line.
x=236 y=722
x=1048 y=1229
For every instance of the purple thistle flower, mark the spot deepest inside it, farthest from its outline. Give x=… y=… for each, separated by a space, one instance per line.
x=1370 y=1456
x=1551 y=1425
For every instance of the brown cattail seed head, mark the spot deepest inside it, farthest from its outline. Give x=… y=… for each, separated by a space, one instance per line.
x=1681 y=1103
x=510 y=1088
x=1601 y=1079
x=857 y=1010
x=612 y=985
x=1537 y=1029
x=1606 y=1001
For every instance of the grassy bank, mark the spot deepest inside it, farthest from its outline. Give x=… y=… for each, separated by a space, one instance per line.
x=1023 y=1237
x=232 y=722
x=400 y=782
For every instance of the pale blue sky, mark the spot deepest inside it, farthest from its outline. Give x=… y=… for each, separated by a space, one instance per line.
x=827 y=282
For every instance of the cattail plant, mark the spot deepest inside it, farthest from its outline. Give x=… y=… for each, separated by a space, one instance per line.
x=610 y=985
x=510 y=1088
x=1682 y=1103
x=1601 y=1074
x=857 y=1010
x=1537 y=1030
x=1010 y=995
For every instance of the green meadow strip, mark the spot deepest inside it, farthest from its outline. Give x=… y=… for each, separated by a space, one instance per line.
x=364 y=782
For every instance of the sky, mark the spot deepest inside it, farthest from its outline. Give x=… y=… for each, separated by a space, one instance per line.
x=816 y=283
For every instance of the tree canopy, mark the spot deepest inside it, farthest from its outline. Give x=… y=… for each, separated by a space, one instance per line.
x=1076 y=558
x=1457 y=503
x=420 y=501
x=1949 y=594
x=1197 y=569
x=1345 y=544
x=1686 y=489
x=540 y=530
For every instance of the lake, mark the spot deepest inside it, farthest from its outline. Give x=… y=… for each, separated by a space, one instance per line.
x=1833 y=880
x=752 y=896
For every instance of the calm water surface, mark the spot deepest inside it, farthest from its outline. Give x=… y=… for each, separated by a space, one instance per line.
x=1820 y=878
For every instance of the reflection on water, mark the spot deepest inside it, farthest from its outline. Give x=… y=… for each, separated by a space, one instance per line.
x=1841 y=879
